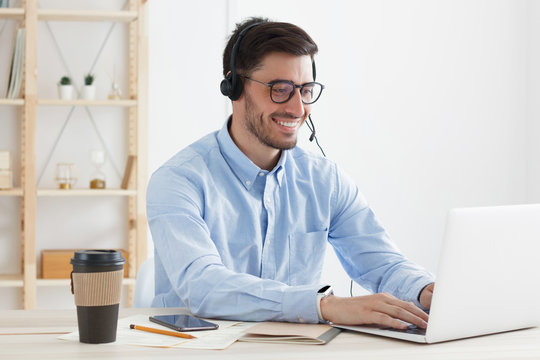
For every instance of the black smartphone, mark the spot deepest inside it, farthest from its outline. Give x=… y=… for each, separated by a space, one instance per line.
x=183 y=322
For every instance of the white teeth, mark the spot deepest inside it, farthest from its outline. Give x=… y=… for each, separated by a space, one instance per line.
x=287 y=124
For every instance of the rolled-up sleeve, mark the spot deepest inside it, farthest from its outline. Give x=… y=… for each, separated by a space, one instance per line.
x=365 y=250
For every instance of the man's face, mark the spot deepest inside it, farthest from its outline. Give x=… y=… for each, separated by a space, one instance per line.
x=276 y=125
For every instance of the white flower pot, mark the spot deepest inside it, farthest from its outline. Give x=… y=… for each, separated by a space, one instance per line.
x=89 y=92
x=65 y=92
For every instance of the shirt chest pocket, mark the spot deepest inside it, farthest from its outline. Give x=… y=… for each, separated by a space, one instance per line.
x=306 y=257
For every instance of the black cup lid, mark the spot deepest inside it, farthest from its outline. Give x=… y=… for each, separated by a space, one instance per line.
x=98 y=257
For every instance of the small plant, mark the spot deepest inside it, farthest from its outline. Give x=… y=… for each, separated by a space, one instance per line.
x=89 y=79
x=65 y=80
x=65 y=88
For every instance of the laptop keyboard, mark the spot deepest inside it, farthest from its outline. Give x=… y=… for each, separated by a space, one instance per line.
x=411 y=329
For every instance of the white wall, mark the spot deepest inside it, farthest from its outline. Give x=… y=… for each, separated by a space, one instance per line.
x=186 y=43
x=426 y=106
x=533 y=128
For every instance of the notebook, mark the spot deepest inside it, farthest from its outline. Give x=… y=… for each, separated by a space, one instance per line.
x=290 y=333
x=488 y=276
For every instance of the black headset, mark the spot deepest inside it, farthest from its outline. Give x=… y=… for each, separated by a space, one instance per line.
x=232 y=86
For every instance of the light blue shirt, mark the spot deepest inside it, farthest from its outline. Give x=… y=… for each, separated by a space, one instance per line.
x=233 y=241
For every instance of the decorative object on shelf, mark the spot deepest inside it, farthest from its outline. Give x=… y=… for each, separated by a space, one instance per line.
x=6 y=175
x=66 y=175
x=89 y=89
x=65 y=88
x=116 y=93
x=97 y=178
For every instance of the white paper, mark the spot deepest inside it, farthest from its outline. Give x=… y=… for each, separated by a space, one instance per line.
x=227 y=333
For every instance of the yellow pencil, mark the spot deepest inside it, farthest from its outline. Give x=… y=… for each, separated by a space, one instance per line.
x=164 y=332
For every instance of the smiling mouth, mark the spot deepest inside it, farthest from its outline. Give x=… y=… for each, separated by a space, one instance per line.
x=289 y=124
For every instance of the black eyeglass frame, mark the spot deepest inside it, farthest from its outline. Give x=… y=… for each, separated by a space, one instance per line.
x=291 y=94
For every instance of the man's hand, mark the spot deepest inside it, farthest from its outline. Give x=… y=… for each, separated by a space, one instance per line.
x=426 y=295
x=377 y=309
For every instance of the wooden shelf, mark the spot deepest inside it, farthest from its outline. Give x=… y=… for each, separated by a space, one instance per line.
x=12 y=13
x=67 y=282
x=11 y=192
x=81 y=102
x=133 y=110
x=12 y=102
x=86 y=192
x=71 y=15
x=11 y=280
x=86 y=15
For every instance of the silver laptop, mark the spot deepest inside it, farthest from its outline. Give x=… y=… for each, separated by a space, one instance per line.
x=488 y=277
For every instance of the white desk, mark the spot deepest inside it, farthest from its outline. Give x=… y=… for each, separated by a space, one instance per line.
x=523 y=344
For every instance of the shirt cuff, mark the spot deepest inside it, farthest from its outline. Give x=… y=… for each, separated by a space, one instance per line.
x=300 y=304
x=420 y=293
x=417 y=290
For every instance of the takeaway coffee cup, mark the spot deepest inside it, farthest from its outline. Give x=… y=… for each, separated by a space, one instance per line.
x=96 y=282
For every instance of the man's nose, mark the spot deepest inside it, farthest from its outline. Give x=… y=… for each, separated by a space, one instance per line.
x=295 y=104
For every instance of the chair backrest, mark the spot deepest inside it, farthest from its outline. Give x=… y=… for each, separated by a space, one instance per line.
x=144 y=285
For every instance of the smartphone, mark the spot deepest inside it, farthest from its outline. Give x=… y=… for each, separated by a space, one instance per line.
x=183 y=322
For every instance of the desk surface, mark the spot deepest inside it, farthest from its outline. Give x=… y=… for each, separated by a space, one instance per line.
x=524 y=344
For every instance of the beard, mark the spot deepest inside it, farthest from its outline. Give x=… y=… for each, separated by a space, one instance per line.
x=256 y=125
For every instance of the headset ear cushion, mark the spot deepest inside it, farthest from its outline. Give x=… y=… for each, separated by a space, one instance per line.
x=226 y=86
x=236 y=90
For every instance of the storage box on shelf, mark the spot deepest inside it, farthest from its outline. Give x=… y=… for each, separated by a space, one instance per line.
x=6 y=174
x=55 y=264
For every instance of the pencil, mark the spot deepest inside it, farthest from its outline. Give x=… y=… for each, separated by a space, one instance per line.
x=164 y=332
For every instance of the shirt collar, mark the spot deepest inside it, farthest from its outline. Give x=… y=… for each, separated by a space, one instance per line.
x=244 y=169
x=278 y=169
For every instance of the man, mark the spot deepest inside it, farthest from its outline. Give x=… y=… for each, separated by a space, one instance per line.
x=240 y=219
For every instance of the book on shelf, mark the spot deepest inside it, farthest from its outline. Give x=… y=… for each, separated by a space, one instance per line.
x=6 y=175
x=6 y=179
x=17 y=65
x=5 y=160
x=4 y=3
x=127 y=172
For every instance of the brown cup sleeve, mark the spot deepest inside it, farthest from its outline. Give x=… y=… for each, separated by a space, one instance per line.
x=97 y=288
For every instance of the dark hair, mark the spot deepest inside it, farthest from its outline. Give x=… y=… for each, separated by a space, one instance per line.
x=267 y=37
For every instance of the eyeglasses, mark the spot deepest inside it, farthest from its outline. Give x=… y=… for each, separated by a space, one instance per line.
x=282 y=91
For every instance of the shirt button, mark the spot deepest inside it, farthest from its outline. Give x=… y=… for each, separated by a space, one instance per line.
x=248 y=182
x=261 y=174
x=301 y=320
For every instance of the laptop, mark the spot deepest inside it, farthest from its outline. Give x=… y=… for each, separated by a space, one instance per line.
x=488 y=277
